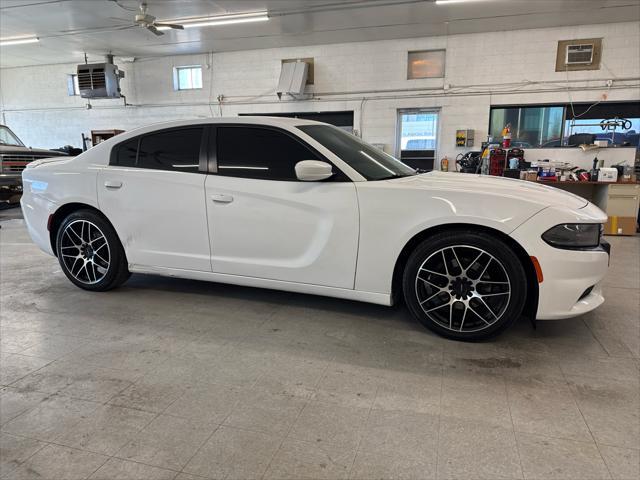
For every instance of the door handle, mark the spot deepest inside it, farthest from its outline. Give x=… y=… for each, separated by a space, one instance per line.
x=112 y=184
x=221 y=198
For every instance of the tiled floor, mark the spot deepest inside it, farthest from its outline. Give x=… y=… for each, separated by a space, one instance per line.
x=167 y=379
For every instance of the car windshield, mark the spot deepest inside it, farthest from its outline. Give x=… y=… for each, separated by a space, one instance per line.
x=7 y=137
x=369 y=161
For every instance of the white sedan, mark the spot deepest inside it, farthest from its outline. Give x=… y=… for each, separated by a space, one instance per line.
x=305 y=207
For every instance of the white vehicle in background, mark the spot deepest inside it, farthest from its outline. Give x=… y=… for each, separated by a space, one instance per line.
x=305 y=207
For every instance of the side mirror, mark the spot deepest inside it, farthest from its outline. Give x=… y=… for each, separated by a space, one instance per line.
x=313 y=170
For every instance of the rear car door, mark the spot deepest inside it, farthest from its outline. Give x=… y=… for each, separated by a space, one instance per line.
x=153 y=194
x=265 y=223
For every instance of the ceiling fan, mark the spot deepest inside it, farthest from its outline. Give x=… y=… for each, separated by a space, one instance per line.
x=144 y=20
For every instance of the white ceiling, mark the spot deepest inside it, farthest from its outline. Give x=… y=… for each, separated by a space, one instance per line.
x=67 y=28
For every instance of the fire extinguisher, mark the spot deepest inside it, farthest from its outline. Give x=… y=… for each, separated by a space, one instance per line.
x=444 y=164
x=506 y=136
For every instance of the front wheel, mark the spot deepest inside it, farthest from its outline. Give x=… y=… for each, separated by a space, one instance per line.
x=465 y=285
x=90 y=252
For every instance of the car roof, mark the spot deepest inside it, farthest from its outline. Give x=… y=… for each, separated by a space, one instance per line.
x=284 y=122
x=257 y=120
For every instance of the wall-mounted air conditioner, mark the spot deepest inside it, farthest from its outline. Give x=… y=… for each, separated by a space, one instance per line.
x=579 y=54
x=99 y=80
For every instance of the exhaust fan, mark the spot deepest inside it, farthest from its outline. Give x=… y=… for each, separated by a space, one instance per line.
x=99 y=80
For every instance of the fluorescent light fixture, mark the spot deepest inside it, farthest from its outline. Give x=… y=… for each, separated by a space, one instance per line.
x=446 y=2
x=17 y=40
x=218 y=20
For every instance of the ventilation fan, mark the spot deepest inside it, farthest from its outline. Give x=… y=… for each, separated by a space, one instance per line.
x=144 y=20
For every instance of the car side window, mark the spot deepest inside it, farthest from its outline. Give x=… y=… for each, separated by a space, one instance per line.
x=127 y=153
x=171 y=150
x=259 y=153
x=175 y=149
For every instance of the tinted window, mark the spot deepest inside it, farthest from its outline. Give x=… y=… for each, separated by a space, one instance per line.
x=127 y=151
x=171 y=150
x=369 y=161
x=259 y=153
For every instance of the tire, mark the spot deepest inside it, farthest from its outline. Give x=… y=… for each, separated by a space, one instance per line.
x=465 y=285
x=90 y=253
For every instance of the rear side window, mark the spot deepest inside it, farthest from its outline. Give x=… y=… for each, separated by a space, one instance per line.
x=171 y=150
x=177 y=150
x=127 y=152
x=259 y=153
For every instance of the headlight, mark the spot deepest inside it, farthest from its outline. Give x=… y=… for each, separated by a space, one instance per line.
x=573 y=235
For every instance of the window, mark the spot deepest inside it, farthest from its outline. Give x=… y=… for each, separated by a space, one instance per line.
x=531 y=127
x=7 y=137
x=417 y=138
x=425 y=64
x=369 y=161
x=126 y=153
x=177 y=150
x=171 y=150
x=536 y=126
x=73 y=88
x=418 y=130
x=259 y=153
x=187 y=78
x=625 y=132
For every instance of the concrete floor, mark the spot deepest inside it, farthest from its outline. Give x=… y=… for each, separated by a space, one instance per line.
x=167 y=378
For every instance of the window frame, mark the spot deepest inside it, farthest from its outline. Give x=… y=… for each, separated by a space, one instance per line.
x=203 y=160
x=338 y=176
x=176 y=77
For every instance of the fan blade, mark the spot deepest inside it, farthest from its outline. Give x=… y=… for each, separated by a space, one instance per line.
x=98 y=29
x=170 y=25
x=155 y=31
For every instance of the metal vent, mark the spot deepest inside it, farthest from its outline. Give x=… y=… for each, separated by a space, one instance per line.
x=293 y=78
x=579 y=54
x=99 y=80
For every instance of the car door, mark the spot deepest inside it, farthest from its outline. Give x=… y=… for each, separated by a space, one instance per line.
x=153 y=194
x=265 y=223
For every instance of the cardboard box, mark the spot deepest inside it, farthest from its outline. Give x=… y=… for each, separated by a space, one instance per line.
x=620 y=226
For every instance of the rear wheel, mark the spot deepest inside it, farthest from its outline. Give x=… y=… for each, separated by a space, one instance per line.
x=90 y=253
x=465 y=285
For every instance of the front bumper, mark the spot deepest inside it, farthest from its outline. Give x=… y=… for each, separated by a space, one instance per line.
x=571 y=284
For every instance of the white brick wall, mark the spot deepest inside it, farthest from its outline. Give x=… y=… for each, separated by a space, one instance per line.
x=35 y=104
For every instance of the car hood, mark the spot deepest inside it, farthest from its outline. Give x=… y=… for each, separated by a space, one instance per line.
x=4 y=149
x=517 y=190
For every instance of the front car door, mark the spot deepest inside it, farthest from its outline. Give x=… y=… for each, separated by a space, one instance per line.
x=153 y=194
x=264 y=223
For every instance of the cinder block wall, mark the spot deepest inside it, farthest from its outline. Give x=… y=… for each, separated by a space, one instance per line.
x=496 y=68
